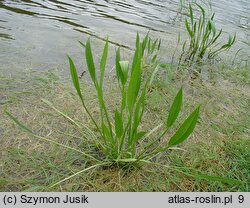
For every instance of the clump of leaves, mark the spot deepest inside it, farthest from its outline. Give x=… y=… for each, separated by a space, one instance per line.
x=120 y=139
x=118 y=132
x=203 y=38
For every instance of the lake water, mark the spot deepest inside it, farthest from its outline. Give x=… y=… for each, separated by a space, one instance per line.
x=39 y=33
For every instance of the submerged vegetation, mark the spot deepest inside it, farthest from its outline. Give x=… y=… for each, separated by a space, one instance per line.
x=130 y=142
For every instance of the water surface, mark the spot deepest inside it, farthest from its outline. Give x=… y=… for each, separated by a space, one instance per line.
x=38 y=33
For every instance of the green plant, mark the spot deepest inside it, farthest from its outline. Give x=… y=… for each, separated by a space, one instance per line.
x=118 y=134
x=202 y=38
x=120 y=138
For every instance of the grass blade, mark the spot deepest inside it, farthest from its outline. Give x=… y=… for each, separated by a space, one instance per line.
x=77 y=173
x=45 y=138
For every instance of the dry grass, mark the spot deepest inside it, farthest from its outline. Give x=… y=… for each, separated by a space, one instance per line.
x=219 y=146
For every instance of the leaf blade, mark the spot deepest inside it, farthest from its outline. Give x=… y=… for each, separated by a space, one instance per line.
x=175 y=109
x=74 y=77
x=90 y=61
x=185 y=129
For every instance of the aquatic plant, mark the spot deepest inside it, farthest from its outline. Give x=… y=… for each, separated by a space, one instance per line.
x=203 y=38
x=120 y=139
x=118 y=134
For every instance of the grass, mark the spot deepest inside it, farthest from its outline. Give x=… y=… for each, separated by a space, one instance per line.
x=219 y=146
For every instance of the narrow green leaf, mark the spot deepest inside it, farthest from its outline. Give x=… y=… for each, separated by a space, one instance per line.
x=136 y=58
x=19 y=123
x=188 y=28
x=107 y=133
x=118 y=124
x=154 y=58
x=159 y=45
x=213 y=27
x=137 y=40
x=134 y=86
x=217 y=36
x=139 y=110
x=77 y=86
x=219 y=178
x=154 y=46
x=103 y=62
x=201 y=8
x=234 y=39
x=212 y=18
x=179 y=37
x=191 y=13
x=175 y=109
x=185 y=129
x=74 y=77
x=149 y=45
x=90 y=61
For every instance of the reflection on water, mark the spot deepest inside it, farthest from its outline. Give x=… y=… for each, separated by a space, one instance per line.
x=38 y=33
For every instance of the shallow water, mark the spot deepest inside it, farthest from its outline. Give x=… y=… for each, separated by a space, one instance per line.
x=38 y=33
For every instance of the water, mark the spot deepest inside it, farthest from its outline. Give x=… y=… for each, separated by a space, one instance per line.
x=38 y=33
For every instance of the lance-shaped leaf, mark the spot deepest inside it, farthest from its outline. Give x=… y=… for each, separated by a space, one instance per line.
x=74 y=77
x=175 y=109
x=134 y=86
x=137 y=53
x=185 y=129
x=90 y=61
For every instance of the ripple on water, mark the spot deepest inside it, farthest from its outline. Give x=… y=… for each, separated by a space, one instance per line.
x=39 y=33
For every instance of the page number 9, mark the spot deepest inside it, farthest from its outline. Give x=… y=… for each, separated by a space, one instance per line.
x=241 y=198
